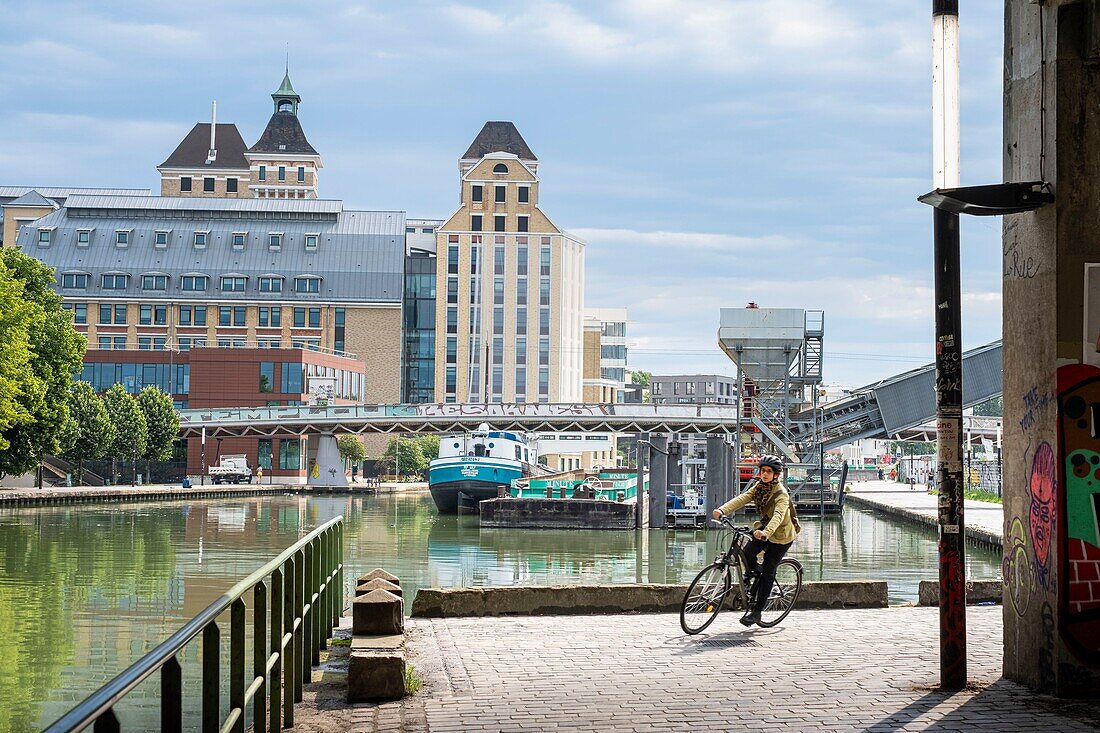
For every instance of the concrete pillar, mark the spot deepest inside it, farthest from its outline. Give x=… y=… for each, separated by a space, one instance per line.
x=658 y=481
x=674 y=472
x=326 y=467
x=1051 y=288
x=716 y=480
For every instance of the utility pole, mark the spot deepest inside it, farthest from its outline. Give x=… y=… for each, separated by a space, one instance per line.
x=948 y=307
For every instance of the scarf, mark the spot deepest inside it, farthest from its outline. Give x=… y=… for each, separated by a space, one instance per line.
x=761 y=493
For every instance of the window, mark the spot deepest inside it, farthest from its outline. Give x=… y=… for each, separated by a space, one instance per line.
x=263 y=453
x=500 y=168
x=521 y=350
x=521 y=259
x=154 y=282
x=475 y=223
x=120 y=314
x=452 y=260
x=524 y=194
x=200 y=240
x=208 y=184
x=119 y=342
x=233 y=284
x=544 y=291
x=521 y=321
x=282 y=173
x=200 y=320
x=77 y=281
x=145 y=343
x=314 y=317
x=193 y=283
x=544 y=351
x=271 y=317
x=544 y=321
x=80 y=313
x=500 y=193
x=290 y=454
x=301 y=174
x=267 y=376
x=311 y=242
x=338 y=330
x=452 y=290
x=231 y=185
x=521 y=380
x=544 y=258
x=544 y=381
x=427 y=230
x=263 y=172
x=185 y=183
x=475 y=193
x=238 y=240
x=83 y=238
x=521 y=291
x=271 y=285
x=307 y=284
x=299 y=317
x=498 y=222
x=451 y=380
x=498 y=320
x=225 y=315
x=709 y=388
x=44 y=237
x=184 y=316
x=122 y=237
x=291 y=378
x=690 y=388
x=160 y=315
x=498 y=259
x=104 y=313
x=521 y=223
x=145 y=315
x=275 y=241
x=160 y=239
x=452 y=351
x=498 y=291
x=239 y=314
x=115 y=282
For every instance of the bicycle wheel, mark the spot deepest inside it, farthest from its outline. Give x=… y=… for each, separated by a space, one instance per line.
x=704 y=598
x=788 y=583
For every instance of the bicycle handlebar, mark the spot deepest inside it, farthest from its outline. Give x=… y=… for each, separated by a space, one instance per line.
x=745 y=529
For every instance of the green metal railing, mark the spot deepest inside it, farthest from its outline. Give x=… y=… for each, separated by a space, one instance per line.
x=290 y=627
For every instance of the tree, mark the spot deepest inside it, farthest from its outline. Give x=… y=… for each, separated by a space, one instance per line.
x=131 y=432
x=429 y=446
x=49 y=354
x=640 y=377
x=351 y=448
x=404 y=456
x=91 y=428
x=161 y=422
x=993 y=407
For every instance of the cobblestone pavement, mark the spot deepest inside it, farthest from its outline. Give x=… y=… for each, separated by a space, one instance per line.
x=985 y=517
x=865 y=670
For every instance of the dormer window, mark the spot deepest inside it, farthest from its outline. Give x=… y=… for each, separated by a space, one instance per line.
x=122 y=237
x=115 y=281
x=74 y=280
x=271 y=284
x=238 y=240
x=500 y=168
x=44 y=236
x=306 y=284
x=83 y=237
x=311 y=242
x=200 y=239
x=160 y=239
x=154 y=282
x=275 y=241
x=233 y=283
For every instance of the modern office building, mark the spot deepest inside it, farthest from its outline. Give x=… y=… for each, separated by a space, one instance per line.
x=510 y=284
x=604 y=354
x=693 y=389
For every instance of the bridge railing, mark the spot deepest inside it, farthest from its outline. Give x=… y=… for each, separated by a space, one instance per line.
x=290 y=627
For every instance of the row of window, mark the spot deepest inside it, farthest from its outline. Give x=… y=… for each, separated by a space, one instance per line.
x=175 y=379
x=304 y=284
x=724 y=388
x=499 y=255
x=500 y=223
x=232 y=182
x=294 y=378
x=150 y=314
x=200 y=238
x=289 y=451
x=186 y=343
x=500 y=193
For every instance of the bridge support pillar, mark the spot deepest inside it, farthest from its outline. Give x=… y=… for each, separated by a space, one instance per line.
x=717 y=473
x=325 y=466
x=1051 y=287
x=658 y=481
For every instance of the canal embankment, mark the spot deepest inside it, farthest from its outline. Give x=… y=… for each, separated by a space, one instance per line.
x=984 y=520
x=55 y=495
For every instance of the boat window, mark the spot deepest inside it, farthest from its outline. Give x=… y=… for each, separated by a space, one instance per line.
x=492 y=445
x=479 y=449
x=519 y=453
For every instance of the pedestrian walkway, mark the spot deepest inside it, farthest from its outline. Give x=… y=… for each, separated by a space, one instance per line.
x=984 y=520
x=866 y=670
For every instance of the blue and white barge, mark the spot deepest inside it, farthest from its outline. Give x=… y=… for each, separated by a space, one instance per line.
x=477 y=465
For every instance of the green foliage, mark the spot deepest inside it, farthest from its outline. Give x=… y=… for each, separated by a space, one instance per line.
x=640 y=377
x=993 y=407
x=38 y=340
x=413 y=683
x=92 y=431
x=404 y=456
x=429 y=446
x=351 y=448
x=161 y=421
x=131 y=432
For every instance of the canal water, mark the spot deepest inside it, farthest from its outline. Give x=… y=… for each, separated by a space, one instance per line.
x=86 y=590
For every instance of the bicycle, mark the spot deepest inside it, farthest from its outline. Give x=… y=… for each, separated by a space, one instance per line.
x=712 y=587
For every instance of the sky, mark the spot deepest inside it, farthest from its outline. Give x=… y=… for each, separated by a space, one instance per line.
x=710 y=153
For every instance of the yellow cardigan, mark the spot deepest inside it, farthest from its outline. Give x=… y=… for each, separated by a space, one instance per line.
x=776 y=523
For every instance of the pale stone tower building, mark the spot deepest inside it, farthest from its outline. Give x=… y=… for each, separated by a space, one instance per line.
x=510 y=284
x=282 y=162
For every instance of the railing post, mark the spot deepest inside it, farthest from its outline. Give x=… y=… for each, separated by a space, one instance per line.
x=290 y=661
x=171 y=696
x=211 y=678
x=301 y=651
x=275 y=681
x=236 y=662
x=317 y=613
x=259 y=657
x=325 y=574
x=339 y=573
x=310 y=617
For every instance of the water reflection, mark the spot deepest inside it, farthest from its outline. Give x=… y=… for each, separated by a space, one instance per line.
x=85 y=591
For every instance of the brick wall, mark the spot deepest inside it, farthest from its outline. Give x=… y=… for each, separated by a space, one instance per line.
x=1084 y=577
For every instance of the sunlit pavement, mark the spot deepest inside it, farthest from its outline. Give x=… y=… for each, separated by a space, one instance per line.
x=985 y=516
x=868 y=670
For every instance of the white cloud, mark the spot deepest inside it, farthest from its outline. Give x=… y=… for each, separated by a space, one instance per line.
x=630 y=238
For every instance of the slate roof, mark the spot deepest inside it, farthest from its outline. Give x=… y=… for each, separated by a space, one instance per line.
x=191 y=152
x=31 y=198
x=499 y=137
x=59 y=193
x=283 y=134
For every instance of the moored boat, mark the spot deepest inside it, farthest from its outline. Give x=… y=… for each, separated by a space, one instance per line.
x=476 y=466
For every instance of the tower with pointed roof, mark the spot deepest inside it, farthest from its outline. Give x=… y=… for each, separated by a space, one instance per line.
x=509 y=316
x=282 y=163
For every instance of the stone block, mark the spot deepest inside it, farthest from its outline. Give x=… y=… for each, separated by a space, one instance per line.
x=376 y=676
x=378 y=573
x=977 y=591
x=388 y=643
x=377 y=584
x=377 y=613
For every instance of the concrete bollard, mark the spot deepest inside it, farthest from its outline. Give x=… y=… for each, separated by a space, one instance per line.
x=376 y=674
x=379 y=612
x=378 y=573
x=377 y=584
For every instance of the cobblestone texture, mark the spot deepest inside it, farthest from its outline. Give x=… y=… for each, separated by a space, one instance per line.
x=866 y=670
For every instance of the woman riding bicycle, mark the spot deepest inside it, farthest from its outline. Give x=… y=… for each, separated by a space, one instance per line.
x=773 y=534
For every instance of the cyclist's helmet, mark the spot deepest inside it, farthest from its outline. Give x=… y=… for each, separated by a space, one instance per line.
x=773 y=462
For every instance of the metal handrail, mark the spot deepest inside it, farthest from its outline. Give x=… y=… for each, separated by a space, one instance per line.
x=300 y=626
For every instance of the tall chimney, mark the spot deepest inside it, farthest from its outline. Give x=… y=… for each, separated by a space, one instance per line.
x=212 y=153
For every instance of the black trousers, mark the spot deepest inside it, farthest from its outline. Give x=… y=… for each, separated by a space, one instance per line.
x=773 y=553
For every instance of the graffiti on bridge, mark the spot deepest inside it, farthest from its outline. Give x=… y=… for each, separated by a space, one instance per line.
x=1016 y=568
x=1043 y=488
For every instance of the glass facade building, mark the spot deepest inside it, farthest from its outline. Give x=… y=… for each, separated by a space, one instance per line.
x=418 y=327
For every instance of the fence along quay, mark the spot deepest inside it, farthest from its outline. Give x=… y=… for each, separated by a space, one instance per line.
x=290 y=627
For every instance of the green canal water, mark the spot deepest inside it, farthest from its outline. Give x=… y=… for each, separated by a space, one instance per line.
x=86 y=590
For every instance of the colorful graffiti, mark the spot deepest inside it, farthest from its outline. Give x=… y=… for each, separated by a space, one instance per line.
x=1079 y=510
x=1016 y=568
x=1043 y=488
